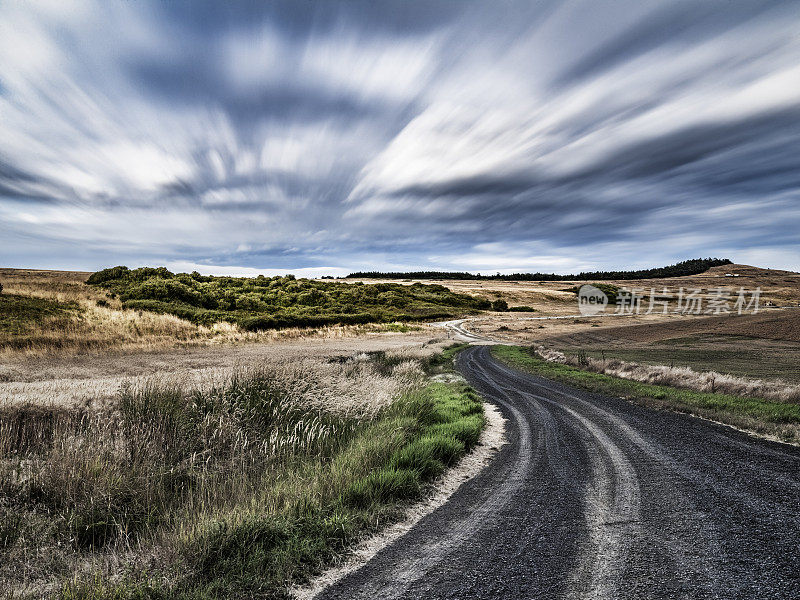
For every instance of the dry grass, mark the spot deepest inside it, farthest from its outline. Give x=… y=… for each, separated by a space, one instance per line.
x=148 y=476
x=101 y=324
x=776 y=419
x=679 y=377
x=94 y=381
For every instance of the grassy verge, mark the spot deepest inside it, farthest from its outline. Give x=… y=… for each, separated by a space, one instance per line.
x=781 y=419
x=237 y=491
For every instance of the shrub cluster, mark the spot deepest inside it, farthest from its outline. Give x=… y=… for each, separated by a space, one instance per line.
x=276 y=302
x=609 y=289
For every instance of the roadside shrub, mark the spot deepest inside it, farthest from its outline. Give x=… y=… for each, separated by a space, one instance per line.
x=521 y=309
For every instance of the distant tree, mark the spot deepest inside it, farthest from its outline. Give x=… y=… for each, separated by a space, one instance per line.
x=1 y=288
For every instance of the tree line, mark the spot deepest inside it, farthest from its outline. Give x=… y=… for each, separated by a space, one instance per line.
x=681 y=269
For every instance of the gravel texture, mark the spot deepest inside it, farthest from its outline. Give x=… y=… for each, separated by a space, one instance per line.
x=594 y=497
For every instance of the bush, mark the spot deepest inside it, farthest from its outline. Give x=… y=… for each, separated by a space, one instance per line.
x=107 y=275
x=609 y=289
x=272 y=303
x=500 y=305
x=167 y=290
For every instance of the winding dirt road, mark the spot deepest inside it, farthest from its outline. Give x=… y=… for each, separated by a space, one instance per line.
x=594 y=497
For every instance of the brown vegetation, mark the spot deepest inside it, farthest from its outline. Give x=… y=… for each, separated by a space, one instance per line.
x=134 y=498
x=679 y=377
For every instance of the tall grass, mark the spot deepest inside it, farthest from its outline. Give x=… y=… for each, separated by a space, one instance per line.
x=236 y=489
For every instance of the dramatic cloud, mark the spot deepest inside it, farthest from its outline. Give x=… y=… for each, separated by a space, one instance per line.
x=322 y=137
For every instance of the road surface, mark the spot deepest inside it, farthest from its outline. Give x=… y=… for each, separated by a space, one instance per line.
x=594 y=497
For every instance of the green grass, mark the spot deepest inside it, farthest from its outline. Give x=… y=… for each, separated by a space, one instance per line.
x=442 y=362
x=775 y=418
x=400 y=327
x=260 y=303
x=186 y=476
x=20 y=314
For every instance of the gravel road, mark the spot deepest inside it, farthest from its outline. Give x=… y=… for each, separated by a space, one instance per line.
x=594 y=497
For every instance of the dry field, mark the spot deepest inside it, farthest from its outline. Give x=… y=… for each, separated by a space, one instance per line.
x=762 y=346
x=552 y=298
x=72 y=381
x=131 y=497
x=94 y=323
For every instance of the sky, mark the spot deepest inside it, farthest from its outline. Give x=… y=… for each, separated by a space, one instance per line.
x=328 y=137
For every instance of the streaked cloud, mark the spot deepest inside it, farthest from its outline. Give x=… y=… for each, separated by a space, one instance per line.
x=349 y=135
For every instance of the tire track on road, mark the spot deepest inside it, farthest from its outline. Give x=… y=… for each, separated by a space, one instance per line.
x=594 y=497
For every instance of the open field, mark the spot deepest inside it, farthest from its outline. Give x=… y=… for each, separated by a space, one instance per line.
x=734 y=355
x=780 y=287
x=764 y=346
x=50 y=313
